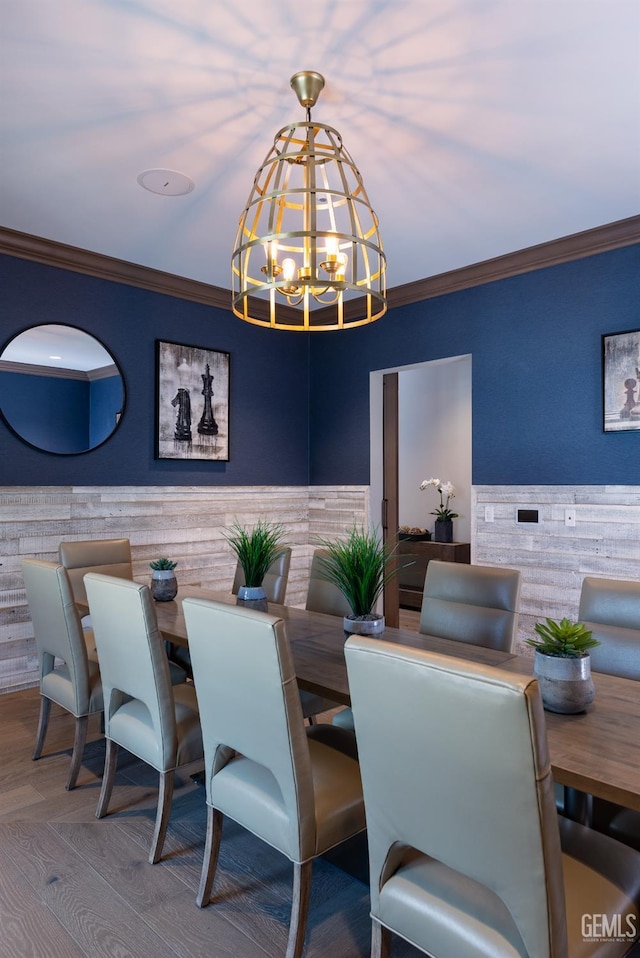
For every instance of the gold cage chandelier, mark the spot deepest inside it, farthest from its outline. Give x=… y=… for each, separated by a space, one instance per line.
x=308 y=254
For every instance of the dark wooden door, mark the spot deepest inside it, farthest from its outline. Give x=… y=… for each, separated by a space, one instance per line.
x=390 y=489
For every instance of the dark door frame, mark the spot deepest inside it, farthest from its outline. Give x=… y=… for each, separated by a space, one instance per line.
x=390 y=520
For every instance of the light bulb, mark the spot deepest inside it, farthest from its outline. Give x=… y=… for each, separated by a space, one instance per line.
x=288 y=269
x=332 y=246
x=271 y=251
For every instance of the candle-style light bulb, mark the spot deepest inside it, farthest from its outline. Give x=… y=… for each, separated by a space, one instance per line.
x=288 y=269
x=271 y=268
x=342 y=260
x=332 y=246
x=271 y=251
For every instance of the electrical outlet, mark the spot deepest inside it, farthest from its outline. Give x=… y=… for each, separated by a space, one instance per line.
x=488 y=513
x=569 y=517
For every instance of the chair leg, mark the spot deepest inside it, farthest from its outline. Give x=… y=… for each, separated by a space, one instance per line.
x=78 y=750
x=380 y=941
x=43 y=724
x=165 y=798
x=299 y=908
x=108 y=778
x=210 y=860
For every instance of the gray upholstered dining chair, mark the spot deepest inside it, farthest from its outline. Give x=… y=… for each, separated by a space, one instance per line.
x=108 y=556
x=498 y=874
x=275 y=580
x=144 y=713
x=324 y=596
x=471 y=603
x=68 y=666
x=468 y=603
x=610 y=608
x=275 y=587
x=284 y=781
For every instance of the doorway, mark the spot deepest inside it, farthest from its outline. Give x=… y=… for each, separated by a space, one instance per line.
x=432 y=438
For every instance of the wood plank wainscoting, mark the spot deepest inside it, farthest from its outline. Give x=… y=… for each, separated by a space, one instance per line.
x=186 y=523
x=554 y=557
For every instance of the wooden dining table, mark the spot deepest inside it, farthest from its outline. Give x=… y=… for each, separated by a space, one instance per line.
x=596 y=752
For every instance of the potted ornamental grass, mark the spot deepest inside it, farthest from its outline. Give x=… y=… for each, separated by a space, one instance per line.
x=164 y=585
x=360 y=566
x=443 y=527
x=562 y=664
x=255 y=549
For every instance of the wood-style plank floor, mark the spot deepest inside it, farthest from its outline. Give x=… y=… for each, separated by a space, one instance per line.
x=73 y=886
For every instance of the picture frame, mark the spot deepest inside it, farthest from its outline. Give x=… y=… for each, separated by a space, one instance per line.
x=621 y=381
x=192 y=402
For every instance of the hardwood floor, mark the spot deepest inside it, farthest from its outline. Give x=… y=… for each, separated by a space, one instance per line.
x=410 y=619
x=73 y=886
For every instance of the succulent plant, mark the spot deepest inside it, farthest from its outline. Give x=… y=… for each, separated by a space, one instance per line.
x=162 y=565
x=565 y=639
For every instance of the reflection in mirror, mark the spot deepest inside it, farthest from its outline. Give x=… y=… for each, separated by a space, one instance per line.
x=60 y=390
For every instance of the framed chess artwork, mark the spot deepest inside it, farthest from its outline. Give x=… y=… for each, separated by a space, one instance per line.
x=621 y=381
x=192 y=402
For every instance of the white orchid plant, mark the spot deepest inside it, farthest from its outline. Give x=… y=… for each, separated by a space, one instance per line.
x=447 y=491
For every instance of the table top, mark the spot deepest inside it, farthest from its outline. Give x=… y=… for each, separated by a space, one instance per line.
x=597 y=751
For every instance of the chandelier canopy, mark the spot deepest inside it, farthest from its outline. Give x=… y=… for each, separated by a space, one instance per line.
x=308 y=254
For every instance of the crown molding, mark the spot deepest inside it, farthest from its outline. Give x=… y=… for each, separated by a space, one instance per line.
x=40 y=250
x=601 y=239
x=577 y=246
x=57 y=372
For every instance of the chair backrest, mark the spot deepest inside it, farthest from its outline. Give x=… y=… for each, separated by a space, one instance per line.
x=454 y=764
x=471 y=603
x=58 y=634
x=275 y=580
x=324 y=596
x=249 y=703
x=133 y=662
x=611 y=609
x=108 y=556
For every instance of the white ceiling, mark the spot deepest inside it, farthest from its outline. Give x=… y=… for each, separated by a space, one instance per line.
x=54 y=346
x=480 y=127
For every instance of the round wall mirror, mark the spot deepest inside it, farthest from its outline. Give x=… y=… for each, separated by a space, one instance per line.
x=60 y=389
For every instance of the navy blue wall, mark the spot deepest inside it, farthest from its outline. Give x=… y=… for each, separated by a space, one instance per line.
x=269 y=439
x=535 y=340
x=300 y=405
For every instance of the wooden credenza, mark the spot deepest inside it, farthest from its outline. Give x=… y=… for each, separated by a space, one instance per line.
x=412 y=578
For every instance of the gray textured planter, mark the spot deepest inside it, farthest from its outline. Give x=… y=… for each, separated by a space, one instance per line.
x=364 y=625
x=251 y=592
x=164 y=585
x=252 y=597
x=565 y=681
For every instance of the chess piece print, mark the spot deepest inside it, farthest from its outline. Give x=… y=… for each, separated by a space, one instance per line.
x=207 y=425
x=182 y=401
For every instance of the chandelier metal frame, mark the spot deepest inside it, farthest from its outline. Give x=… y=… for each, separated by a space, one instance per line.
x=308 y=237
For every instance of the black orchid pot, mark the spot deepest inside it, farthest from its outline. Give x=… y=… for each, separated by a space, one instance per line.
x=443 y=530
